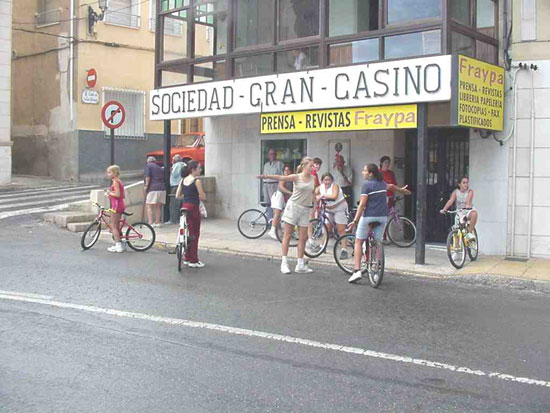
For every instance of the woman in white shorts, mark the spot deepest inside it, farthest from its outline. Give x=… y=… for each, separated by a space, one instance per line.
x=278 y=201
x=337 y=207
x=297 y=212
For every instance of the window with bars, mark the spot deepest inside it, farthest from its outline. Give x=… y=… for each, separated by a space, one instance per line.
x=123 y=13
x=171 y=26
x=134 y=106
x=48 y=13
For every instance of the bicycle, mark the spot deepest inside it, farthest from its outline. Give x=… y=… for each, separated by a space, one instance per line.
x=372 y=259
x=457 y=242
x=253 y=224
x=399 y=230
x=140 y=236
x=318 y=231
x=182 y=240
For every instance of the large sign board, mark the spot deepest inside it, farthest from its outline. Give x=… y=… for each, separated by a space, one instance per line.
x=337 y=120
x=400 y=82
x=478 y=94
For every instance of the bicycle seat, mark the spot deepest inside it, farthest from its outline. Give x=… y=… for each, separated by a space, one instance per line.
x=128 y=214
x=373 y=225
x=264 y=204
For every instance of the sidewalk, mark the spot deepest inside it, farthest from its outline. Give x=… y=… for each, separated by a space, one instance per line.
x=222 y=236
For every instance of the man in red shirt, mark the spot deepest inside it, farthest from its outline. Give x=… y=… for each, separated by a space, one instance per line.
x=389 y=176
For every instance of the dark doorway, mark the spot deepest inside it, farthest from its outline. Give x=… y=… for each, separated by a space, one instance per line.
x=448 y=157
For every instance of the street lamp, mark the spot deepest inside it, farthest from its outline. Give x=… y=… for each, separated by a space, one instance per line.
x=93 y=17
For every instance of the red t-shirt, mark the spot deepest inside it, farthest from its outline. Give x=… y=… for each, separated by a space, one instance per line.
x=316 y=177
x=389 y=178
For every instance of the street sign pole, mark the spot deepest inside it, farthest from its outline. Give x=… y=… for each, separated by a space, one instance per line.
x=112 y=146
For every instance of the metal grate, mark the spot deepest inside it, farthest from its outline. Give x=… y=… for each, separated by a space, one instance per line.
x=134 y=105
x=48 y=17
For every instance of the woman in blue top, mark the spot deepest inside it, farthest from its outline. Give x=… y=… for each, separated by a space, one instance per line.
x=373 y=207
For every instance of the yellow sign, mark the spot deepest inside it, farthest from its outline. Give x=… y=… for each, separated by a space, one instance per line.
x=479 y=95
x=335 y=120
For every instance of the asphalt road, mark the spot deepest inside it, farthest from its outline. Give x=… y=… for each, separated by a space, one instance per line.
x=99 y=332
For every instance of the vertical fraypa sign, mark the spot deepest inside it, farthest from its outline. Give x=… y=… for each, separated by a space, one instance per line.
x=478 y=94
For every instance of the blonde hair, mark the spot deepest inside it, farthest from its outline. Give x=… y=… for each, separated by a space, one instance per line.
x=115 y=169
x=304 y=162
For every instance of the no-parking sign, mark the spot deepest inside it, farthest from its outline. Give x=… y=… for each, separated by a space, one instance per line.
x=113 y=114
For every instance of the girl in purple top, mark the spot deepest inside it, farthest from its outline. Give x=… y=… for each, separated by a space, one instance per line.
x=373 y=207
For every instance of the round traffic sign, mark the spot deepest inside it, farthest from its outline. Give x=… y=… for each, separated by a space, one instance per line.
x=113 y=114
x=91 y=78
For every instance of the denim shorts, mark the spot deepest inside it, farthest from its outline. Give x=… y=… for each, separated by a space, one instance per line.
x=363 y=227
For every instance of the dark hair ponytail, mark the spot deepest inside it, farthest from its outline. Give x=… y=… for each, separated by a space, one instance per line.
x=190 y=166
x=373 y=169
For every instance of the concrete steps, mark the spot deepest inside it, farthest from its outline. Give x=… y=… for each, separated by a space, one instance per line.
x=64 y=218
x=78 y=226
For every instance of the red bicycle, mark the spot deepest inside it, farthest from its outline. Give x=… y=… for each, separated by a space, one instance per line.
x=140 y=236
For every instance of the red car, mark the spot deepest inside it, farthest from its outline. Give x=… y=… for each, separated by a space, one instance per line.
x=194 y=151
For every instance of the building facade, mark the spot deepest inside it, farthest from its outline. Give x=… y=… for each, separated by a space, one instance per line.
x=255 y=39
x=57 y=127
x=5 y=91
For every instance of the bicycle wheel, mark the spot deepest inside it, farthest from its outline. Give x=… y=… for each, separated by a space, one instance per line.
x=317 y=239
x=140 y=237
x=456 y=250
x=180 y=253
x=91 y=235
x=376 y=263
x=344 y=254
x=401 y=231
x=293 y=237
x=473 y=247
x=252 y=224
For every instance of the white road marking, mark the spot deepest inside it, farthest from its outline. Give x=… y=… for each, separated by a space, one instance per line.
x=30 y=295
x=4 y=215
x=282 y=338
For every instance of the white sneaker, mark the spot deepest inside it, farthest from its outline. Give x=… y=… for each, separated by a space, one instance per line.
x=303 y=269
x=284 y=268
x=116 y=248
x=356 y=276
x=272 y=233
x=196 y=264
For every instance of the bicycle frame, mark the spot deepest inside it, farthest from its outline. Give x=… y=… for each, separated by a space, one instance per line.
x=104 y=213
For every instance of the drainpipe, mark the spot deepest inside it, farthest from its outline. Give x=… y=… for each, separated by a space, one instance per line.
x=71 y=58
x=531 y=163
x=514 y=165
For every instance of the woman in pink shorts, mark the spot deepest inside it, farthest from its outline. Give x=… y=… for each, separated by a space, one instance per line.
x=116 y=196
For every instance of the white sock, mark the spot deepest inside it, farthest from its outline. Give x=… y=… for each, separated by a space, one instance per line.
x=300 y=262
x=283 y=260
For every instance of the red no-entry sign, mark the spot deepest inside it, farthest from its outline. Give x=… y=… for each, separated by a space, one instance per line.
x=91 y=78
x=113 y=114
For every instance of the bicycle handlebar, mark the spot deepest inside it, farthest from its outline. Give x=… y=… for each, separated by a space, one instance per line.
x=457 y=211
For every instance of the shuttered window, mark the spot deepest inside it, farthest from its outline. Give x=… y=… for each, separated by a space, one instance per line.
x=123 y=13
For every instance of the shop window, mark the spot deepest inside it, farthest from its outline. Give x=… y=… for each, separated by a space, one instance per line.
x=485 y=15
x=254 y=22
x=166 y=5
x=462 y=44
x=352 y=16
x=299 y=59
x=175 y=36
x=298 y=19
x=460 y=11
x=486 y=52
x=176 y=75
x=123 y=13
x=413 y=44
x=211 y=18
x=171 y=26
x=205 y=72
x=403 y=11
x=255 y=65
x=289 y=151
x=134 y=105
x=354 y=52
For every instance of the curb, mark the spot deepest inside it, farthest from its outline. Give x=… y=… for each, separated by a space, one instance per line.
x=487 y=280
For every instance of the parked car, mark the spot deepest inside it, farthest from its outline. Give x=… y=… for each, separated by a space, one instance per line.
x=195 y=151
